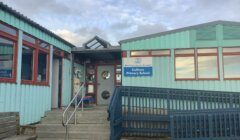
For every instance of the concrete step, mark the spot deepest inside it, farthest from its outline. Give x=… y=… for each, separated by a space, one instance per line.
x=92 y=124
x=59 y=139
x=75 y=135
x=76 y=128
x=82 y=118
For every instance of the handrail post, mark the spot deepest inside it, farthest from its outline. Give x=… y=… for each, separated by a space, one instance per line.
x=82 y=98
x=75 y=115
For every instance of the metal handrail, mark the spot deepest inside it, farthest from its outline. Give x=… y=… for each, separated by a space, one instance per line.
x=74 y=100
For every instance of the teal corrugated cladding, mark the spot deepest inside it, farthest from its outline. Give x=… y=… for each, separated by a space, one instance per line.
x=12 y=20
x=168 y=41
x=30 y=100
x=66 y=82
x=163 y=67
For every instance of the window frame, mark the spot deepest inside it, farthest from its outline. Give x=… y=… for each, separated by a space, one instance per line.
x=228 y=54
x=15 y=53
x=161 y=55
x=185 y=55
x=45 y=83
x=207 y=54
x=24 y=81
x=148 y=55
x=37 y=48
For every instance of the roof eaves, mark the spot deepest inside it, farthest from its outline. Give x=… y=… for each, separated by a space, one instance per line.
x=31 y=22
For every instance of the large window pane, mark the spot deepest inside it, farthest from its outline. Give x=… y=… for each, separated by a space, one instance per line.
x=231 y=66
x=6 y=58
x=42 y=67
x=207 y=67
x=27 y=63
x=185 y=67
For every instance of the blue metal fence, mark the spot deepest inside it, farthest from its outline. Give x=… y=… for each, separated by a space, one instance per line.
x=208 y=125
x=140 y=111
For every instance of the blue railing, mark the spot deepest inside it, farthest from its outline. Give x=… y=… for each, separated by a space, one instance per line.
x=140 y=111
x=218 y=124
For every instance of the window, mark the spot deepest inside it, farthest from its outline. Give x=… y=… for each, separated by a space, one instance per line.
x=7 y=29
x=35 y=61
x=207 y=63
x=8 y=53
x=161 y=53
x=184 y=64
x=139 y=53
x=42 y=67
x=29 y=39
x=6 y=58
x=231 y=63
x=27 y=63
x=202 y=65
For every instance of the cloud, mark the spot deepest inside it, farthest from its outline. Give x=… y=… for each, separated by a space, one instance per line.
x=113 y=20
x=70 y=36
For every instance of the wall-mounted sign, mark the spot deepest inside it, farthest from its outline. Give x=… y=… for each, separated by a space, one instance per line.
x=137 y=66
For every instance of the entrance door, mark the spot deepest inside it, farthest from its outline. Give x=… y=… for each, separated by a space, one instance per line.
x=105 y=80
x=56 y=83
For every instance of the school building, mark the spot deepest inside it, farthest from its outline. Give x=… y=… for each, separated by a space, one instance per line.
x=39 y=70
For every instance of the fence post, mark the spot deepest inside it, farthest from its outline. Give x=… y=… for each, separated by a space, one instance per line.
x=168 y=100
x=231 y=101
x=172 y=127
x=210 y=119
x=199 y=101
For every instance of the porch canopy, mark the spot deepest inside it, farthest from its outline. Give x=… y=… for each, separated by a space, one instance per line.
x=97 y=49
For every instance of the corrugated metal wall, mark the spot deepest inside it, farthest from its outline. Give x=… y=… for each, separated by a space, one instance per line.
x=163 y=67
x=31 y=100
x=66 y=82
x=174 y=40
x=11 y=20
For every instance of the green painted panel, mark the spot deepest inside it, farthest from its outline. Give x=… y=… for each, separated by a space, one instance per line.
x=66 y=82
x=206 y=33
x=231 y=31
x=174 y=40
x=11 y=20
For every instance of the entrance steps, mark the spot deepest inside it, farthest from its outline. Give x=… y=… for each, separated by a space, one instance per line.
x=92 y=124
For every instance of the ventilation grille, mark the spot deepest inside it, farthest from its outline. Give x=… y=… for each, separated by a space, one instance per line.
x=206 y=33
x=231 y=31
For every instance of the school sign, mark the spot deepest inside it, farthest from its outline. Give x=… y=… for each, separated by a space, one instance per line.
x=138 y=66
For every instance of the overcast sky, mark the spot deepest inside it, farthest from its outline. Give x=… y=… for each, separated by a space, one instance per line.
x=114 y=20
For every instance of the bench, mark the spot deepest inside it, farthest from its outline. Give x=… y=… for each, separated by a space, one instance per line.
x=11 y=130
